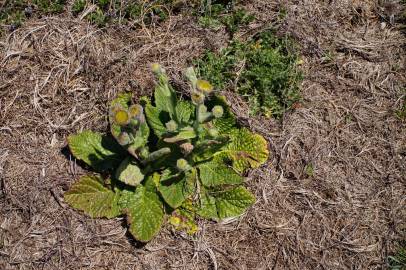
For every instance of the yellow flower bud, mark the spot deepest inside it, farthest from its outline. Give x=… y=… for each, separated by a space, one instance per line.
x=182 y=164
x=171 y=126
x=217 y=111
x=197 y=98
x=135 y=110
x=204 y=86
x=157 y=68
x=213 y=132
x=121 y=117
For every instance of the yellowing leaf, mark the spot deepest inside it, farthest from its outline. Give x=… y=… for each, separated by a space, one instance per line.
x=92 y=197
x=246 y=149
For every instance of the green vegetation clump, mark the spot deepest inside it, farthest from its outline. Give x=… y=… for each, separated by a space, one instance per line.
x=398 y=260
x=181 y=158
x=217 y=13
x=401 y=113
x=14 y=12
x=263 y=70
x=133 y=11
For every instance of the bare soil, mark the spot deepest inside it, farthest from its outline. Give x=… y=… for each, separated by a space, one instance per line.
x=58 y=73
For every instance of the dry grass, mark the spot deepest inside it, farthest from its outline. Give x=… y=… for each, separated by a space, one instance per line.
x=57 y=74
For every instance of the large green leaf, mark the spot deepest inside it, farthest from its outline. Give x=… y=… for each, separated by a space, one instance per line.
x=175 y=189
x=234 y=202
x=206 y=149
x=154 y=120
x=246 y=149
x=97 y=150
x=224 y=204
x=215 y=172
x=207 y=206
x=144 y=212
x=184 y=111
x=129 y=173
x=92 y=197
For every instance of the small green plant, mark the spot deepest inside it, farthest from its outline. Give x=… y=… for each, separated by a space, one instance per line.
x=12 y=13
x=50 y=6
x=263 y=70
x=176 y=157
x=78 y=6
x=309 y=170
x=236 y=19
x=401 y=112
x=98 y=17
x=398 y=260
x=134 y=11
x=214 y=14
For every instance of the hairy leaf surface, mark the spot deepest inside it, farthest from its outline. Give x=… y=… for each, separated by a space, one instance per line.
x=215 y=173
x=101 y=152
x=92 y=197
x=234 y=202
x=246 y=149
x=165 y=98
x=144 y=213
x=175 y=189
x=184 y=111
x=153 y=118
x=207 y=207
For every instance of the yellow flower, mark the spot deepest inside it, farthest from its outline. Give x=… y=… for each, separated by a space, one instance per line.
x=175 y=221
x=156 y=68
x=135 y=110
x=204 y=86
x=121 y=117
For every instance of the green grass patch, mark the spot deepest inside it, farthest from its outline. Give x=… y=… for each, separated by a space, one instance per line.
x=215 y=14
x=401 y=112
x=263 y=70
x=210 y=13
x=398 y=260
x=14 y=12
x=135 y=12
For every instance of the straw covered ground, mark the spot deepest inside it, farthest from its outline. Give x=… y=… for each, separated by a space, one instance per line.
x=57 y=74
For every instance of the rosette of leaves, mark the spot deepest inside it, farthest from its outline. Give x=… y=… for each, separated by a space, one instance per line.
x=180 y=158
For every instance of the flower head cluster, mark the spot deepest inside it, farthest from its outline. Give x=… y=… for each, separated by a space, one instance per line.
x=128 y=120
